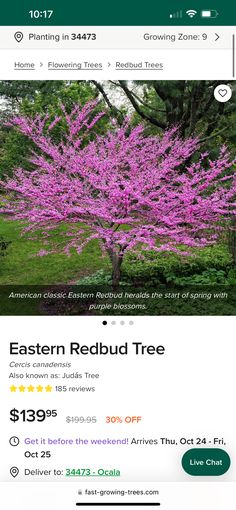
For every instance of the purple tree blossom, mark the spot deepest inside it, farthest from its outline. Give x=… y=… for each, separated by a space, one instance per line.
x=128 y=190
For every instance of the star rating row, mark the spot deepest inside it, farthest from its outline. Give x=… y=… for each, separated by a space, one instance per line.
x=31 y=389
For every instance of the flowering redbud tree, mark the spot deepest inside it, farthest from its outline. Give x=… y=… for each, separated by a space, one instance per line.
x=128 y=190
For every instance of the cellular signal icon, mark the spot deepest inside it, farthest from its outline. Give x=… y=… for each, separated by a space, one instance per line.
x=191 y=13
x=178 y=14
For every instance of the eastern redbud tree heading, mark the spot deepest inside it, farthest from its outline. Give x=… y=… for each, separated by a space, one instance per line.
x=128 y=190
x=97 y=349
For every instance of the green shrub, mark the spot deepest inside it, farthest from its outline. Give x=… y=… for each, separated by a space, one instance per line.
x=101 y=277
x=211 y=265
x=3 y=246
x=210 y=277
x=98 y=278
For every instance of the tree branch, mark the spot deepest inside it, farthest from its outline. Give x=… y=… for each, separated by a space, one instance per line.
x=113 y=108
x=136 y=106
x=213 y=135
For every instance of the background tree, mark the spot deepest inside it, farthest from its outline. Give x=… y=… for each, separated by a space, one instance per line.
x=122 y=188
x=190 y=105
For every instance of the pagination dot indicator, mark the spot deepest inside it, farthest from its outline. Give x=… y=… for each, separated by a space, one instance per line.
x=114 y=323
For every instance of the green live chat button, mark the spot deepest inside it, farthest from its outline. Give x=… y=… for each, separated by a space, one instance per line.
x=206 y=462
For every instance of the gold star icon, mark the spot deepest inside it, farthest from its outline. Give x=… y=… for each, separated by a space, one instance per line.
x=13 y=388
x=31 y=388
x=39 y=388
x=22 y=388
x=48 y=388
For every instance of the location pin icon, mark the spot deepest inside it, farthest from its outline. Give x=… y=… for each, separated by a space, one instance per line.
x=18 y=36
x=14 y=471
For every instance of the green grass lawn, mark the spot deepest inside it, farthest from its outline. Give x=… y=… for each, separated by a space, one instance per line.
x=22 y=266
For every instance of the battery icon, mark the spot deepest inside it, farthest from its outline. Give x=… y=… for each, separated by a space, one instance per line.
x=211 y=13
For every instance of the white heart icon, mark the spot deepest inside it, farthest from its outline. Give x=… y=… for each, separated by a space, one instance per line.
x=222 y=92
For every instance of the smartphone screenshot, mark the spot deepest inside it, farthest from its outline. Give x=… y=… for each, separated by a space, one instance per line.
x=118 y=255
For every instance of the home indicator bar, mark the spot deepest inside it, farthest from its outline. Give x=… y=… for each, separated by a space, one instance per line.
x=118 y=504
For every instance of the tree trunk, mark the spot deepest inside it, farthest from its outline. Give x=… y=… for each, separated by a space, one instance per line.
x=116 y=269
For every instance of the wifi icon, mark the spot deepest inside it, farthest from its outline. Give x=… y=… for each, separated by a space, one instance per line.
x=191 y=13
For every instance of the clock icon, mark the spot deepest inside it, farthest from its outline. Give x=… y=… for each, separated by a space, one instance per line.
x=14 y=441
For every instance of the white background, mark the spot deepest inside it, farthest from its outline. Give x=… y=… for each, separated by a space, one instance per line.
x=188 y=391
